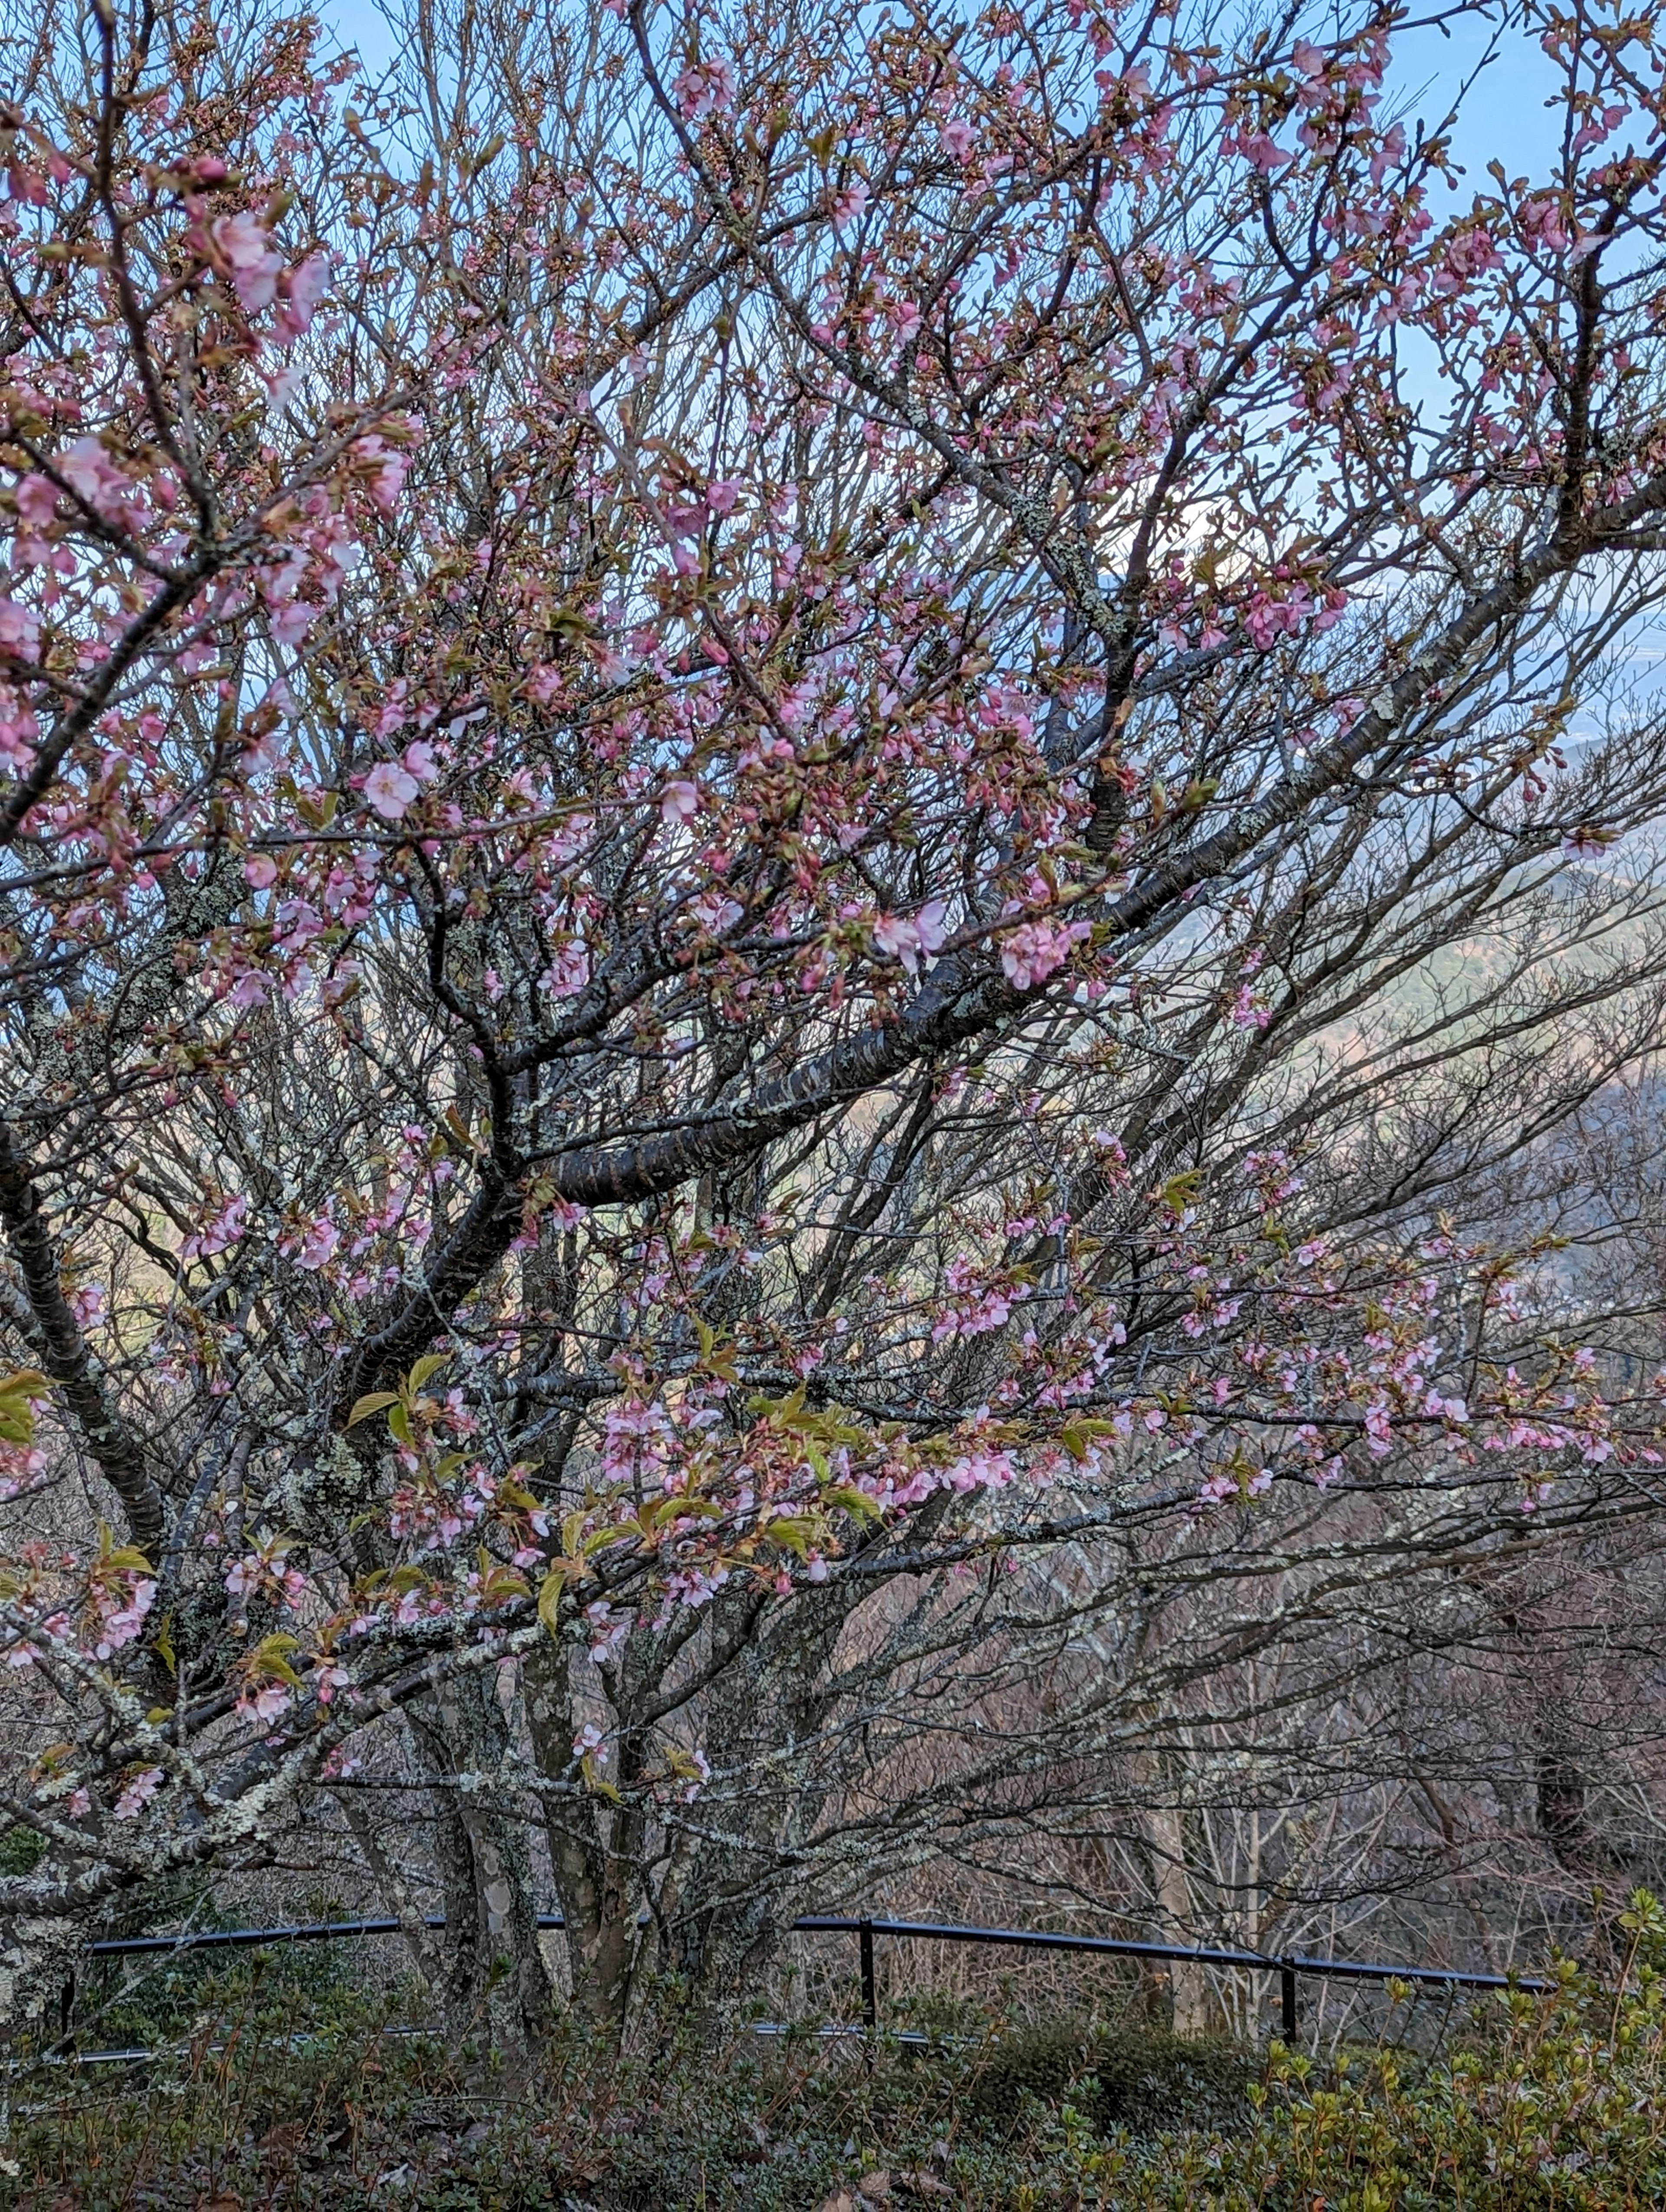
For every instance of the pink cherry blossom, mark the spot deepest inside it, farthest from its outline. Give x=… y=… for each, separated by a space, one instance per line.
x=300 y=290
x=20 y=631
x=1261 y=153
x=385 y=466
x=1035 y=950
x=37 y=499
x=253 y=261
x=845 y=208
x=88 y=471
x=568 y=972
x=223 y=1228
x=390 y=789
x=321 y=1239
x=706 y=89
x=906 y=939
x=680 y=802
x=138 y=1793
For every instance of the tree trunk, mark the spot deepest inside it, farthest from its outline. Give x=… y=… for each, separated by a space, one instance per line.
x=1189 y=1985
x=1562 y=1805
x=594 y=1857
x=494 y=1976
x=38 y=1953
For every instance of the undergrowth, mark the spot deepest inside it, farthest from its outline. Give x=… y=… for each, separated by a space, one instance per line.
x=1552 y=2101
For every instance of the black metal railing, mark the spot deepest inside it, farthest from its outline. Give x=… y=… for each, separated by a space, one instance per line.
x=1290 y=1967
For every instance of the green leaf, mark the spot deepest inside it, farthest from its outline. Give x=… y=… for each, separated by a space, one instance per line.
x=794 y=1533
x=1180 y=1191
x=599 y=1539
x=17 y=1393
x=594 y=1782
x=430 y=1364
x=854 y=1501
x=273 y=1652
x=371 y=1402
x=1078 y=1437
x=783 y=1411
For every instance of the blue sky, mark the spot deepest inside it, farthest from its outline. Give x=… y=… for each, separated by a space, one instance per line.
x=356 y=23
x=1505 y=119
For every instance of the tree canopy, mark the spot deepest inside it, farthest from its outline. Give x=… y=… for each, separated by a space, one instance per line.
x=822 y=827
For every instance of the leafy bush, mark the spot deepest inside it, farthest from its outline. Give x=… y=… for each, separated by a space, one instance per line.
x=1558 y=2101
x=1166 y=2082
x=150 y=1999
x=20 y=1849
x=1142 y=2080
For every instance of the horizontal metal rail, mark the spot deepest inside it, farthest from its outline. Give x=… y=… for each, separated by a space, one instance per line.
x=298 y=1931
x=1290 y=1968
x=145 y=2054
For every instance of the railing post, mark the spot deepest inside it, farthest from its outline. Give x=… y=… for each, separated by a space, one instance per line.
x=870 y=1986
x=1287 y=2000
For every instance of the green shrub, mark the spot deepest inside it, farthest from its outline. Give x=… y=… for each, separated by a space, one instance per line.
x=1141 y=2078
x=21 y=1850
x=1542 y=2102
x=1041 y=2063
x=1163 y=2082
x=147 y=1999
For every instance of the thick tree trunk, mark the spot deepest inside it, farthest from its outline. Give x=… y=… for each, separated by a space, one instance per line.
x=494 y=1979
x=719 y=1882
x=1562 y=1803
x=39 y=1953
x=729 y=1889
x=597 y=1874
x=1164 y=1831
x=721 y=1945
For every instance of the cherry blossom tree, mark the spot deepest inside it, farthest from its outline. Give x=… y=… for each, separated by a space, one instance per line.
x=710 y=717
